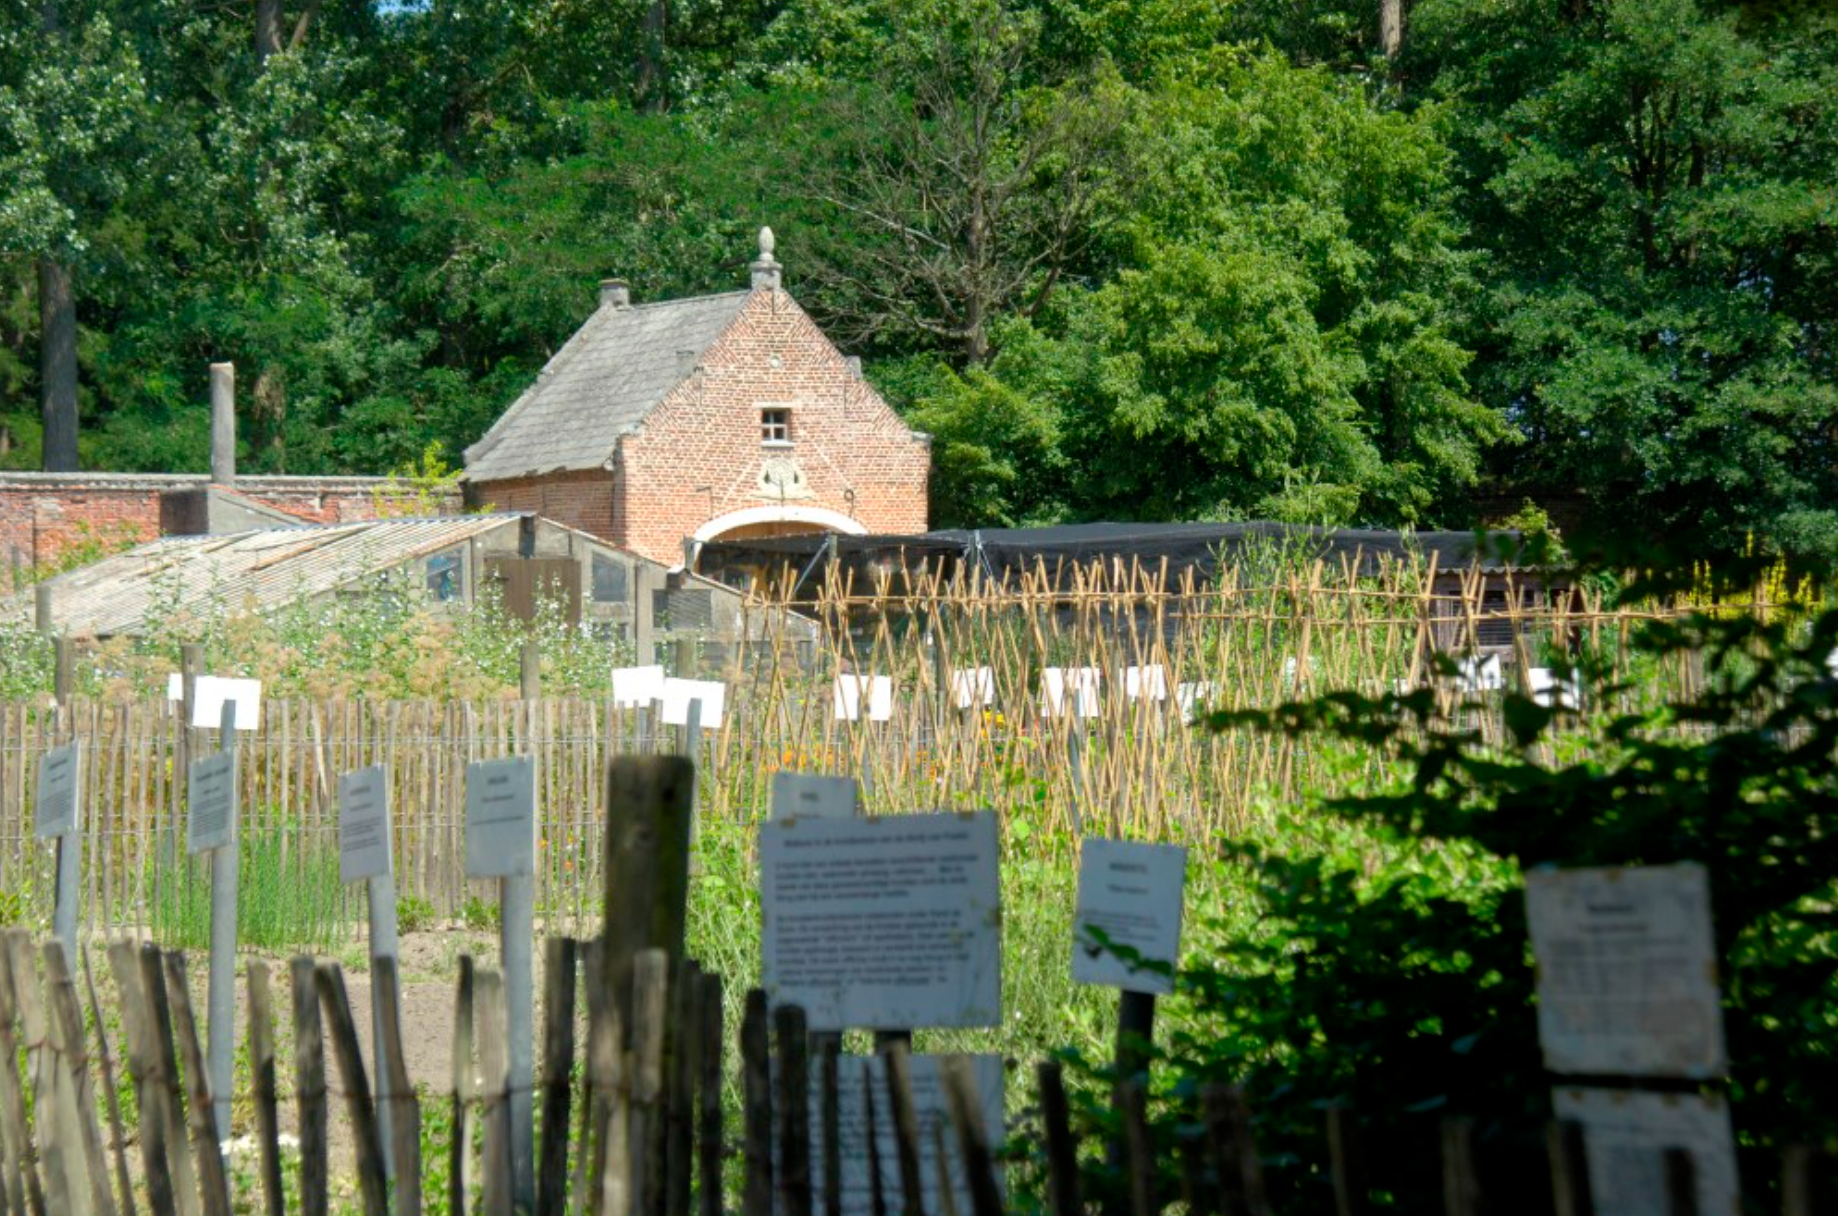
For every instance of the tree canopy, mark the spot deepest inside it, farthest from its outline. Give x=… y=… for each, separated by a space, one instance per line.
x=1147 y=259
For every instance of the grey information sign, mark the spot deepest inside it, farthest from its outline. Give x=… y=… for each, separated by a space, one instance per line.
x=883 y=923
x=56 y=810
x=363 y=824
x=211 y=821
x=1627 y=971
x=1625 y=1137
x=1131 y=895
x=501 y=818
x=808 y=796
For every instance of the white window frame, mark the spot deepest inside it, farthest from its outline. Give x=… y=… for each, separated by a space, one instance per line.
x=786 y=424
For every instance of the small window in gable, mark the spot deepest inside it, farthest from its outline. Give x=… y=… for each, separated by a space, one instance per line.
x=775 y=424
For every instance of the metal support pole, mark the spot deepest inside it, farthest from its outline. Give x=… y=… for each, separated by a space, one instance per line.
x=221 y=1049
x=381 y=894
x=69 y=844
x=517 y=928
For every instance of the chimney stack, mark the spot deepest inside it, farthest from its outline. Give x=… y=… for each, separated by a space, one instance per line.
x=615 y=293
x=223 y=424
x=765 y=269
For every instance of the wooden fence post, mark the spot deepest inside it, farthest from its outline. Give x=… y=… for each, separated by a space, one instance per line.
x=756 y=1106
x=267 y=1098
x=966 y=1107
x=72 y=1048
x=679 y=1086
x=1569 y=1169
x=459 y=1148
x=793 y=1108
x=123 y=1179
x=557 y=1061
x=309 y=1087
x=905 y=1126
x=650 y=1005
x=213 y=1185
x=1062 y=1147
x=649 y=803
x=22 y=1158
x=708 y=1089
x=494 y=1086
x=1132 y=1101
x=1461 y=1183
x=400 y=1134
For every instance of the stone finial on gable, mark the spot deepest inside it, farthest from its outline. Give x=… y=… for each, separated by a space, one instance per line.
x=765 y=268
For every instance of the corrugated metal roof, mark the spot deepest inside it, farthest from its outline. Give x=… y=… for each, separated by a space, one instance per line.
x=601 y=385
x=263 y=569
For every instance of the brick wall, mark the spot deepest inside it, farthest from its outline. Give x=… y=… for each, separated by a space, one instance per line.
x=701 y=452
x=582 y=500
x=857 y=457
x=45 y=515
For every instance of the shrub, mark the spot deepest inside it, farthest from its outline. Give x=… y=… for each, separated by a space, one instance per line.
x=1394 y=976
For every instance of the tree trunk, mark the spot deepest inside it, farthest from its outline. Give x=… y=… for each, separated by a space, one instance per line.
x=653 y=74
x=267 y=30
x=271 y=416
x=57 y=365
x=1391 y=27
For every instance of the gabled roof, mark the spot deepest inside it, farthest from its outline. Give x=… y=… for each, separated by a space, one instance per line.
x=600 y=386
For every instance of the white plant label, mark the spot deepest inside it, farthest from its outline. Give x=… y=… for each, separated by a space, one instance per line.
x=637 y=686
x=883 y=923
x=210 y=820
x=679 y=693
x=808 y=796
x=1625 y=1137
x=1627 y=971
x=501 y=818
x=861 y=1079
x=1194 y=699
x=1070 y=690
x=55 y=812
x=851 y=691
x=363 y=824
x=210 y=692
x=973 y=686
x=1146 y=683
x=1132 y=894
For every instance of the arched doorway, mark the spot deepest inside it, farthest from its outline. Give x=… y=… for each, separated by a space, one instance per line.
x=753 y=523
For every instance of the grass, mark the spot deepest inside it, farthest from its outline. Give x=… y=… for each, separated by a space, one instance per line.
x=288 y=895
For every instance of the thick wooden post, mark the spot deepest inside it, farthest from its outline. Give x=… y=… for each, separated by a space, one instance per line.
x=557 y=1060
x=649 y=801
x=309 y=1087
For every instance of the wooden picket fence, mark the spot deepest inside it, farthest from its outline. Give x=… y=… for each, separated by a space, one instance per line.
x=1133 y=767
x=628 y=1120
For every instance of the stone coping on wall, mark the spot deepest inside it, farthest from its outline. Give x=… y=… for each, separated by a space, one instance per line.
x=21 y=479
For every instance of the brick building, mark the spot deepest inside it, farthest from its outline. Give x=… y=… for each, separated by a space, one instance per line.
x=719 y=417
x=45 y=516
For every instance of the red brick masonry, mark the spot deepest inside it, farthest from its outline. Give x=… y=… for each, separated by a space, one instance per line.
x=42 y=515
x=857 y=457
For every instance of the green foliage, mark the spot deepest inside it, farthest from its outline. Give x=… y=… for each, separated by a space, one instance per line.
x=1656 y=182
x=1550 y=248
x=1399 y=982
x=479 y=914
x=414 y=913
x=1279 y=339
x=288 y=893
